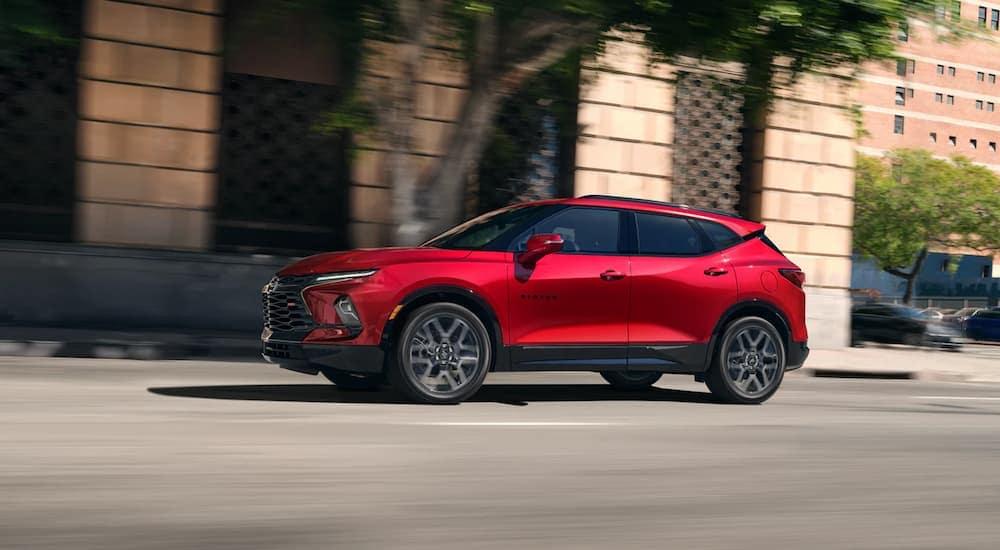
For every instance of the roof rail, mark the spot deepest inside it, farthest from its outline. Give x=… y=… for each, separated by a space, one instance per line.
x=664 y=203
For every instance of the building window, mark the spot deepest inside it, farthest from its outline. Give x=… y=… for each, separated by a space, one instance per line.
x=951 y=71
x=900 y=95
x=990 y=106
x=952 y=140
x=986 y=271
x=979 y=105
x=973 y=143
x=940 y=69
x=909 y=92
x=897 y=124
x=938 y=98
x=933 y=137
x=993 y=147
x=904 y=31
x=993 y=78
x=980 y=76
x=995 y=19
x=951 y=100
x=982 y=16
x=956 y=10
x=901 y=67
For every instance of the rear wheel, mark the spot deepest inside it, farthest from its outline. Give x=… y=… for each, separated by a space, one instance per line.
x=631 y=381
x=351 y=380
x=442 y=356
x=749 y=362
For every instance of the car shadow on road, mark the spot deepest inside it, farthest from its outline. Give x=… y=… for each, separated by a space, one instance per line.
x=509 y=394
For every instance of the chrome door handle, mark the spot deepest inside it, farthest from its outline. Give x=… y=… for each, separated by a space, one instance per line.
x=612 y=275
x=716 y=271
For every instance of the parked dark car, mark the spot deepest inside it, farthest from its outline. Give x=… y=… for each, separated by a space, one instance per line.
x=896 y=324
x=983 y=325
x=956 y=319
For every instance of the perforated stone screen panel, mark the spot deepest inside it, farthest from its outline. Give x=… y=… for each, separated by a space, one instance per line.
x=707 y=142
x=283 y=186
x=38 y=97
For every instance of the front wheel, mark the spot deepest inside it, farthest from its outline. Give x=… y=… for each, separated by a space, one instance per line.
x=630 y=381
x=442 y=355
x=749 y=362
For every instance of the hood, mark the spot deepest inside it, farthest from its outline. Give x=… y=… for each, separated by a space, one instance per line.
x=365 y=258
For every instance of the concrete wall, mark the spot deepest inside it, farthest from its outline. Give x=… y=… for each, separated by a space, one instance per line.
x=94 y=287
x=149 y=116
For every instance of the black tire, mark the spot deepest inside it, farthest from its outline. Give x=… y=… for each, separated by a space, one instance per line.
x=720 y=380
x=353 y=381
x=402 y=374
x=631 y=381
x=856 y=340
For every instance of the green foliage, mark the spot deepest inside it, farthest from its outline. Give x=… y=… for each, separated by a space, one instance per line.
x=911 y=201
x=28 y=23
x=804 y=34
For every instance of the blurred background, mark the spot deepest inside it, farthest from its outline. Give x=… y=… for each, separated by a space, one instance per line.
x=160 y=159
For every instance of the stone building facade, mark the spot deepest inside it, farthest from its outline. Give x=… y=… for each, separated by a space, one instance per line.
x=186 y=144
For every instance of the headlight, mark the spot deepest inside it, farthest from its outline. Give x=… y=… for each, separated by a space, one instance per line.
x=343 y=276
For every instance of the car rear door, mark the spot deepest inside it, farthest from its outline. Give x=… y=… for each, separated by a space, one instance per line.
x=681 y=286
x=571 y=309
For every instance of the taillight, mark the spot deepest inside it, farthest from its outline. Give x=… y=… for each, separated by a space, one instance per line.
x=796 y=276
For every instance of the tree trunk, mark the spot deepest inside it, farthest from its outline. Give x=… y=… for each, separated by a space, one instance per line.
x=404 y=174
x=467 y=144
x=912 y=278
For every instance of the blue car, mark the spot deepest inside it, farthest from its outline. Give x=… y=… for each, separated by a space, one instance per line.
x=983 y=325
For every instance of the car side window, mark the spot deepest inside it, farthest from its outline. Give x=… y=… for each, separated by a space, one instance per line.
x=667 y=235
x=720 y=235
x=584 y=230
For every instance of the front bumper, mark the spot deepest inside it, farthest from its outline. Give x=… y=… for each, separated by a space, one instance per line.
x=797 y=354
x=310 y=358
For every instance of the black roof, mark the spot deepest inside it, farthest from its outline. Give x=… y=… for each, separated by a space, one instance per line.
x=664 y=203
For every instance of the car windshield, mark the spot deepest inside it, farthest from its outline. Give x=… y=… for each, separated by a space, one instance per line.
x=908 y=312
x=477 y=233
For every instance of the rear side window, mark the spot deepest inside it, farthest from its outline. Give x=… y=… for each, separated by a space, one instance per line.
x=720 y=235
x=667 y=235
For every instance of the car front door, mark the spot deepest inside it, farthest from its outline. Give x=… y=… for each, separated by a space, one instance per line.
x=681 y=287
x=570 y=309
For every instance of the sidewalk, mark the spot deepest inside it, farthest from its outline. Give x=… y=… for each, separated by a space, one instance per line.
x=975 y=363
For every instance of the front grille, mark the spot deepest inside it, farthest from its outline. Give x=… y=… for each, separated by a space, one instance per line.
x=284 y=310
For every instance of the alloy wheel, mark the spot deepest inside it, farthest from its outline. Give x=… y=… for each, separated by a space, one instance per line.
x=753 y=361
x=445 y=353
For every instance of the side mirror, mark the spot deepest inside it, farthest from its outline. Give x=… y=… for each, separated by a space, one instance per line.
x=539 y=246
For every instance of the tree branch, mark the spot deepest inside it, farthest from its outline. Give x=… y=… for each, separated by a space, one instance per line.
x=517 y=68
x=898 y=273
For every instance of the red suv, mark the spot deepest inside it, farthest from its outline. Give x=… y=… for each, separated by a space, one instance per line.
x=628 y=288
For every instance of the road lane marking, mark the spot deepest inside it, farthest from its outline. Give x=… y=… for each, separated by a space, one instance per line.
x=516 y=424
x=956 y=397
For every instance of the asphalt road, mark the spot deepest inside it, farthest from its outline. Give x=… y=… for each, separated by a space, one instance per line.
x=123 y=454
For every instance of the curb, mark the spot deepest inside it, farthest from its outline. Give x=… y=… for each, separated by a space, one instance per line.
x=140 y=350
x=834 y=372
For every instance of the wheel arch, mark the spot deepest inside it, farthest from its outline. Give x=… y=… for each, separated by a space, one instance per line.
x=750 y=308
x=464 y=297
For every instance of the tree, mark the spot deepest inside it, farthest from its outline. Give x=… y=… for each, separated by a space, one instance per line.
x=505 y=43
x=910 y=202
